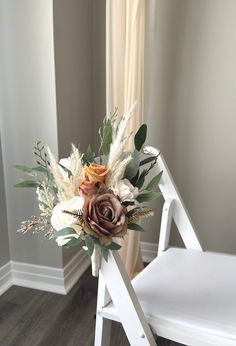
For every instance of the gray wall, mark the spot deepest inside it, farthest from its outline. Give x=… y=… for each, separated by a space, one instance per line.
x=28 y=113
x=191 y=107
x=79 y=40
x=4 y=243
x=99 y=67
x=53 y=89
x=74 y=80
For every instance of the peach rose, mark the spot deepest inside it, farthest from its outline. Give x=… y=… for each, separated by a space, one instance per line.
x=87 y=188
x=96 y=173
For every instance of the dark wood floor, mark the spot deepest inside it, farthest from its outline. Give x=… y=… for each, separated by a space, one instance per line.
x=35 y=318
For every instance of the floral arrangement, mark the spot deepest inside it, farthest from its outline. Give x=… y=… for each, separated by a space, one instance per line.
x=92 y=200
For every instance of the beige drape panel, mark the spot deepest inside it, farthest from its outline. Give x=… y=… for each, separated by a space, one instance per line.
x=124 y=84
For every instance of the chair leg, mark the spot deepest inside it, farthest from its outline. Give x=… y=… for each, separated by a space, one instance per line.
x=102 y=331
x=103 y=325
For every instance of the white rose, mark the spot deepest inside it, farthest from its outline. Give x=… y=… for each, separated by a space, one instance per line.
x=125 y=190
x=60 y=220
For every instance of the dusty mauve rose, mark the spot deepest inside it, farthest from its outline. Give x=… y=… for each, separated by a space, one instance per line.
x=96 y=173
x=105 y=215
x=87 y=188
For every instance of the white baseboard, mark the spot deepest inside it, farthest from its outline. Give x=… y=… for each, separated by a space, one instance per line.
x=50 y=279
x=149 y=251
x=56 y=280
x=5 y=277
x=38 y=277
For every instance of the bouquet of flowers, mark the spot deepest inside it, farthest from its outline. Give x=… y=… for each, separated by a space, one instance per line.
x=92 y=200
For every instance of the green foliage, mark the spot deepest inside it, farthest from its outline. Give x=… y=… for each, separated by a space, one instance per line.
x=40 y=153
x=154 y=182
x=135 y=179
x=133 y=211
x=105 y=253
x=147 y=160
x=25 y=169
x=135 y=227
x=28 y=183
x=113 y=246
x=141 y=179
x=90 y=156
x=89 y=243
x=127 y=203
x=73 y=242
x=63 y=231
x=105 y=133
x=39 y=169
x=133 y=166
x=147 y=196
x=140 y=137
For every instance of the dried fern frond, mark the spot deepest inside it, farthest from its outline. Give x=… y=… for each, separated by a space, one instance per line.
x=78 y=214
x=141 y=214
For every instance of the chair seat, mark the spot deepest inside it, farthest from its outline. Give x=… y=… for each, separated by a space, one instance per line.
x=189 y=295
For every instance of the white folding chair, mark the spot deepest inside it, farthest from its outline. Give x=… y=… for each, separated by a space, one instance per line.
x=185 y=295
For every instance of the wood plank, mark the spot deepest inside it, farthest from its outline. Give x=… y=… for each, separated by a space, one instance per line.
x=35 y=318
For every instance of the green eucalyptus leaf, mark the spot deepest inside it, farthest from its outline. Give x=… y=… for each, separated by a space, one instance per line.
x=135 y=227
x=28 y=183
x=154 y=182
x=90 y=244
x=140 y=137
x=141 y=179
x=113 y=246
x=127 y=203
x=105 y=253
x=90 y=154
x=63 y=231
x=40 y=169
x=25 y=169
x=148 y=196
x=147 y=160
x=73 y=242
x=133 y=166
x=135 y=179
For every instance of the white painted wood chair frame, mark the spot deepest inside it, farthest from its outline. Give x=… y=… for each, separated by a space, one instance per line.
x=114 y=284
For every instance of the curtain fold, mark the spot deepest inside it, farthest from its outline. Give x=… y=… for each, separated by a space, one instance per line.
x=124 y=85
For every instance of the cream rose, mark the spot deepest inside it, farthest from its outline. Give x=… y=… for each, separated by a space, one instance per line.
x=125 y=190
x=60 y=220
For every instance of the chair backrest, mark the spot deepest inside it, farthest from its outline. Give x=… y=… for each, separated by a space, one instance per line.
x=114 y=283
x=173 y=208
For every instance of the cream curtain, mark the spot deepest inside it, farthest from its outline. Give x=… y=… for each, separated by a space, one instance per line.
x=124 y=85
